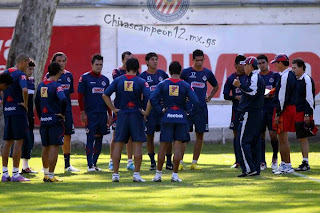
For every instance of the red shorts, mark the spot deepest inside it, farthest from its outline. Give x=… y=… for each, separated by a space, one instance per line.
x=287 y=120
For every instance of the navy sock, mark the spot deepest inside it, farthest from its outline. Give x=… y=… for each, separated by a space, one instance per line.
x=66 y=160
x=151 y=156
x=169 y=162
x=97 y=149
x=89 y=149
x=263 y=150
x=275 y=148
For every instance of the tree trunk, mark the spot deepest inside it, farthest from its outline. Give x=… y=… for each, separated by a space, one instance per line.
x=32 y=36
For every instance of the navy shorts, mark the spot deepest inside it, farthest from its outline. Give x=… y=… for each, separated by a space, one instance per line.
x=153 y=123
x=97 y=124
x=267 y=120
x=130 y=124
x=52 y=135
x=16 y=127
x=235 y=120
x=174 y=132
x=68 y=124
x=200 y=120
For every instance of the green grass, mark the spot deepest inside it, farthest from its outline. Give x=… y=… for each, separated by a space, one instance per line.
x=214 y=189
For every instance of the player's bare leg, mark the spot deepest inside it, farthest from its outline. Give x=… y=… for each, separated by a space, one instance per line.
x=161 y=155
x=137 y=161
x=169 y=165
x=111 y=151
x=197 y=150
x=66 y=148
x=5 y=158
x=236 y=164
x=116 y=156
x=176 y=161
x=284 y=147
x=183 y=149
x=304 y=166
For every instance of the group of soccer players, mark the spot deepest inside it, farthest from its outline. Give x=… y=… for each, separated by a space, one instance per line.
x=151 y=101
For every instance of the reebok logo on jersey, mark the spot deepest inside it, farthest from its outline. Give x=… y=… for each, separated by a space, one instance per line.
x=98 y=90
x=174 y=115
x=128 y=86
x=44 y=92
x=173 y=90
x=7 y=109
x=65 y=86
x=197 y=84
x=46 y=119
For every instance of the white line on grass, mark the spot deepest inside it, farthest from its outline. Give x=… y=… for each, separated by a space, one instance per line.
x=306 y=177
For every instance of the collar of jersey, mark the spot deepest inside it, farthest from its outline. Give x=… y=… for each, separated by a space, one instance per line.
x=174 y=80
x=198 y=70
x=130 y=76
x=95 y=75
x=285 y=71
x=46 y=82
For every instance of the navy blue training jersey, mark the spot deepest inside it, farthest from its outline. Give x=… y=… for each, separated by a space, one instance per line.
x=92 y=86
x=198 y=81
x=174 y=93
x=252 y=98
x=305 y=95
x=228 y=86
x=31 y=88
x=129 y=90
x=270 y=80
x=13 y=94
x=48 y=101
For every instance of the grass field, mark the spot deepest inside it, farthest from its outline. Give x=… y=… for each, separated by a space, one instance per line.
x=214 y=189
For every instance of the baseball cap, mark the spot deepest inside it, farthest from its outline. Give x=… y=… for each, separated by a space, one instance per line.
x=280 y=57
x=250 y=60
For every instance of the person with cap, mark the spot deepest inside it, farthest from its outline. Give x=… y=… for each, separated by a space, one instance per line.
x=285 y=110
x=250 y=107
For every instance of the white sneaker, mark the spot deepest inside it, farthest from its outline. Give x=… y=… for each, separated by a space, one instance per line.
x=71 y=169
x=157 y=178
x=263 y=166
x=137 y=178
x=97 y=169
x=274 y=164
x=115 y=177
x=175 y=179
x=278 y=168
x=92 y=169
x=284 y=169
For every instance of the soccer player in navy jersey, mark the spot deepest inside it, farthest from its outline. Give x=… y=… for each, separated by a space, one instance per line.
x=66 y=81
x=153 y=77
x=15 y=107
x=129 y=89
x=198 y=76
x=285 y=110
x=93 y=110
x=174 y=123
x=270 y=78
x=125 y=56
x=235 y=98
x=250 y=107
x=305 y=105
x=51 y=104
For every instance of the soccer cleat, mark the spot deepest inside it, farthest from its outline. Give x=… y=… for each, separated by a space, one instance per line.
x=235 y=166
x=97 y=169
x=169 y=167
x=156 y=178
x=110 y=166
x=284 y=169
x=46 y=178
x=195 y=166
x=130 y=166
x=91 y=169
x=55 y=180
x=19 y=178
x=115 y=178
x=5 y=178
x=181 y=167
x=28 y=171
x=137 y=178
x=303 y=167
x=175 y=179
x=71 y=169
x=274 y=164
x=153 y=167
x=263 y=166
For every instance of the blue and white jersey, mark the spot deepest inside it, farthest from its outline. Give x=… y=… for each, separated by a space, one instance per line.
x=305 y=101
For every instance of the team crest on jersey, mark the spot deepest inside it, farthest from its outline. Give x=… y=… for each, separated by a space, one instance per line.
x=68 y=79
x=173 y=90
x=238 y=90
x=23 y=77
x=44 y=92
x=103 y=83
x=193 y=75
x=149 y=79
x=128 y=86
x=204 y=78
x=160 y=78
x=271 y=80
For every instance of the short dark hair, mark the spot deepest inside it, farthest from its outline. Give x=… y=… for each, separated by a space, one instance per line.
x=263 y=57
x=285 y=63
x=5 y=78
x=96 y=57
x=22 y=57
x=300 y=63
x=175 y=68
x=150 y=55
x=54 y=57
x=123 y=55
x=54 y=68
x=196 y=53
x=32 y=63
x=239 y=58
x=132 y=64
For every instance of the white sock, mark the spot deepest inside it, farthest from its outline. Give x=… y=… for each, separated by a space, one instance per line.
x=46 y=171
x=110 y=161
x=25 y=163
x=115 y=174
x=305 y=159
x=51 y=174
x=282 y=163
x=130 y=161
x=174 y=174
x=194 y=161
x=181 y=161
x=288 y=164
x=15 y=172
x=5 y=171
x=136 y=174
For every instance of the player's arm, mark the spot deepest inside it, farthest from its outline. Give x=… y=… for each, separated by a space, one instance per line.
x=107 y=94
x=37 y=102
x=213 y=81
x=193 y=98
x=226 y=91
x=24 y=86
x=81 y=90
x=155 y=99
x=71 y=90
x=251 y=88
x=309 y=100
x=63 y=99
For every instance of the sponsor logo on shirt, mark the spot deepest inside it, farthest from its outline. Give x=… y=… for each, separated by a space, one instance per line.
x=44 y=92
x=128 y=86
x=169 y=115
x=193 y=75
x=93 y=82
x=153 y=88
x=46 y=119
x=8 y=109
x=173 y=90
x=59 y=89
x=196 y=84
x=65 y=86
x=98 y=90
